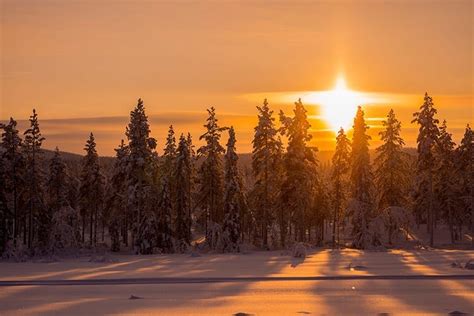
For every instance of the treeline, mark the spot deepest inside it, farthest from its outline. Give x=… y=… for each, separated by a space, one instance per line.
x=195 y=197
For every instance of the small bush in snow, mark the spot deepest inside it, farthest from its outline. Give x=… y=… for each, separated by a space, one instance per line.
x=299 y=251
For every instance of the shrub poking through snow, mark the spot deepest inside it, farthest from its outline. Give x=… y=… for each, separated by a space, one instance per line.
x=469 y=265
x=299 y=251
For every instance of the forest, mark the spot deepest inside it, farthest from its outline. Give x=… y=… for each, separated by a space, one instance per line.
x=198 y=198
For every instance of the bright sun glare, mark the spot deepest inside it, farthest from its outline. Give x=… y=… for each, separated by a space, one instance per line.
x=338 y=105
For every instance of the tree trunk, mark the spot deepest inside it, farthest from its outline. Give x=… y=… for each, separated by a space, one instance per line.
x=83 y=228
x=15 y=213
x=430 y=211
x=334 y=224
x=91 y=228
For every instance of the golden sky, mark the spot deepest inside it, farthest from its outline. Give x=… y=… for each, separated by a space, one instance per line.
x=83 y=64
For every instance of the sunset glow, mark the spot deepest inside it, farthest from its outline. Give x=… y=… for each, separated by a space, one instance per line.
x=339 y=105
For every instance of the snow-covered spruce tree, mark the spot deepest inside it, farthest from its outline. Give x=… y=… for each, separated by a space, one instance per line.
x=320 y=211
x=164 y=238
x=169 y=154
x=391 y=172
x=116 y=198
x=168 y=161
x=183 y=194
x=140 y=177
x=65 y=232
x=57 y=182
x=5 y=216
x=267 y=170
x=361 y=185
x=38 y=218
x=300 y=167
x=167 y=194
x=340 y=170
x=232 y=197
x=446 y=182
x=13 y=165
x=91 y=190
x=466 y=170
x=210 y=173
x=425 y=165
x=192 y=174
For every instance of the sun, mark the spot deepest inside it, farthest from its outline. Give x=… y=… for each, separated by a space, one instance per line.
x=339 y=105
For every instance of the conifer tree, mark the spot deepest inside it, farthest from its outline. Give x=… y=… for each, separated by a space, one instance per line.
x=300 y=165
x=391 y=165
x=13 y=164
x=140 y=179
x=210 y=173
x=267 y=169
x=165 y=208
x=445 y=182
x=65 y=223
x=5 y=216
x=466 y=172
x=361 y=180
x=116 y=201
x=91 y=190
x=38 y=216
x=232 y=197
x=340 y=169
x=391 y=171
x=169 y=153
x=169 y=161
x=192 y=174
x=427 y=138
x=57 y=181
x=184 y=188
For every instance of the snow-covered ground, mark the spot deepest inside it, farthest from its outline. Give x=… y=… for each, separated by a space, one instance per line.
x=276 y=297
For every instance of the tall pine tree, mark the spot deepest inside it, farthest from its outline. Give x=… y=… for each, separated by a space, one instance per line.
x=466 y=171
x=391 y=173
x=427 y=138
x=361 y=183
x=65 y=223
x=210 y=172
x=300 y=166
x=91 y=190
x=232 y=197
x=340 y=169
x=38 y=216
x=446 y=182
x=183 y=198
x=14 y=165
x=116 y=198
x=267 y=169
x=140 y=179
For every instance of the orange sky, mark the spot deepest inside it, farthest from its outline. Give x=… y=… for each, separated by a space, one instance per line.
x=76 y=61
